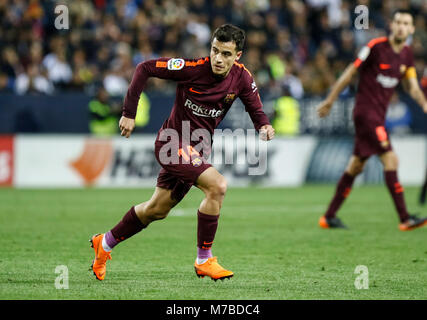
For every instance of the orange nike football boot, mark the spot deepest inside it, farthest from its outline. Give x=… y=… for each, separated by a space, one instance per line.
x=211 y=268
x=99 y=264
x=323 y=223
x=412 y=223
x=331 y=223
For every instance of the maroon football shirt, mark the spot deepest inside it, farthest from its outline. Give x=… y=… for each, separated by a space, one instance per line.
x=202 y=98
x=380 y=69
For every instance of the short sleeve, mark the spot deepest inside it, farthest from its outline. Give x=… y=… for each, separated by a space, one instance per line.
x=367 y=52
x=362 y=57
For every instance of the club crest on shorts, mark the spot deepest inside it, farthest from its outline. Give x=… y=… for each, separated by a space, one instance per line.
x=229 y=98
x=176 y=64
x=196 y=162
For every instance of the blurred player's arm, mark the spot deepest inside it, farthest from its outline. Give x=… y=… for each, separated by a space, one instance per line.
x=343 y=81
x=410 y=84
x=163 y=68
x=364 y=58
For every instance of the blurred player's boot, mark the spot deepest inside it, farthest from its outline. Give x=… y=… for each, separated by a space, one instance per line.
x=211 y=268
x=99 y=264
x=412 y=223
x=330 y=223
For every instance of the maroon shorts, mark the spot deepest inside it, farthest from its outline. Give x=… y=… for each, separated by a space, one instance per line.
x=371 y=139
x=180 y=177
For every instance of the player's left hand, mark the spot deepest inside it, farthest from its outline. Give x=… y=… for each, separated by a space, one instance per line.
x=425 y=108
x=126 y=126
x=266 y=132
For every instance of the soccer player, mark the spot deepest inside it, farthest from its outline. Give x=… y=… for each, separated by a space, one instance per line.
x=382 y=64
x=205 y=92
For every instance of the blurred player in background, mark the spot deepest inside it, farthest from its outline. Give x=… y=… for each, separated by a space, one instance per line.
x=382 y=64
x=206 y=90
x=423 y=191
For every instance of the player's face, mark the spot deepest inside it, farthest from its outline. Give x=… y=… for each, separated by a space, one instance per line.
x=222 y=56
x=402 y=26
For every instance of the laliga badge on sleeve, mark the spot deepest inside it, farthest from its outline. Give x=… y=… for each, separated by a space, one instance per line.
x=176 y=64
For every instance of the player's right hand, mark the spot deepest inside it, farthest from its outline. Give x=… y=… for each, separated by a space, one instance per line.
x=324 y=108
x=266 y=132
x=126 y=126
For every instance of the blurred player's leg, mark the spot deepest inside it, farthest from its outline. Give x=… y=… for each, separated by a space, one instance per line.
x=354 y=167
x=390 y=163
x=423 y=191
x=407 y=221
x=136 y=219
x=214 y=186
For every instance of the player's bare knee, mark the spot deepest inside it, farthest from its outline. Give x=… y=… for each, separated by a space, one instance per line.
x=217 y=189
x=220 y=187
x=390 y=161
x=355 y=166
x=357 y=169
x=394 y=161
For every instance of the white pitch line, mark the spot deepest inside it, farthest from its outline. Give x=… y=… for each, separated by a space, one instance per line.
x=315 y=209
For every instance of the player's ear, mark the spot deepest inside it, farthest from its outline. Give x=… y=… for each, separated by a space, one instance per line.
x=238 y=55
x=391 y=24
x=412 y=26
x=412 y=29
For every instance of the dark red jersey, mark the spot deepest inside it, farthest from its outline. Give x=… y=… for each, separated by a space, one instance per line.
x=202 y=98
x=381 y=69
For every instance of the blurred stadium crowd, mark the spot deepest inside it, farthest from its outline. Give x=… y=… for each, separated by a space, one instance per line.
x=301 y=44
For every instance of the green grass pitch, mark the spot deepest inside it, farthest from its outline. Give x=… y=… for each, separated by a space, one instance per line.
x=268 y=237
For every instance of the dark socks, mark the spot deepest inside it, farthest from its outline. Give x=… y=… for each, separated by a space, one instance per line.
x=342 y=191
x=423 y=191
x=206 y=229
x=396 y=192
x=126 y=228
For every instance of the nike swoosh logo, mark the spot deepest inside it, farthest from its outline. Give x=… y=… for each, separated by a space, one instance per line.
x=200 y=115
x=192 y=90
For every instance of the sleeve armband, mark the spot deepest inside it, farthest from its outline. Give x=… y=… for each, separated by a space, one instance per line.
x=410 y=73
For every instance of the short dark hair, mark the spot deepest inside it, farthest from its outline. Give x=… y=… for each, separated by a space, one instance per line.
x=229 y=32
x=403 y=11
